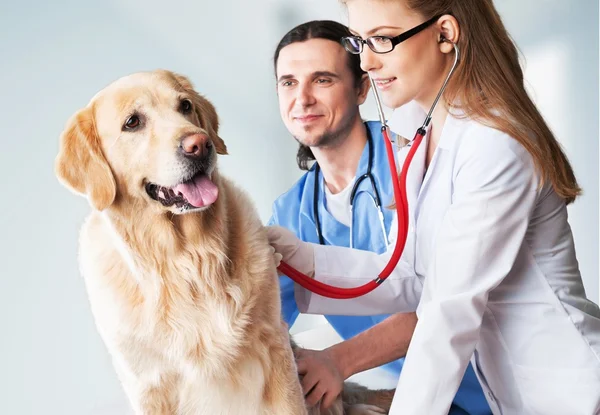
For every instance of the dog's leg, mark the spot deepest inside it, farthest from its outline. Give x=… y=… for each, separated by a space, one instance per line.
x=359 y=400
x=155 y=400
x=341 y=408
x=362 y=409
x=151 y=394
x=337 y=408
x=356 y=399
x=284 y=389
x=291 y=399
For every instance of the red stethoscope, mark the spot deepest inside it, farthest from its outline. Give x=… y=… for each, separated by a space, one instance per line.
x=331 y=291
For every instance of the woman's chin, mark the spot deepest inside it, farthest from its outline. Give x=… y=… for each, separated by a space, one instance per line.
x=394 y=100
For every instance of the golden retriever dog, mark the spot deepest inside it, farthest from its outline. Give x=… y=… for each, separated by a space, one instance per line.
x=180 y=276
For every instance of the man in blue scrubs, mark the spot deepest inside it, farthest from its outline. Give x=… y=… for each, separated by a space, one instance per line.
x=320 y=88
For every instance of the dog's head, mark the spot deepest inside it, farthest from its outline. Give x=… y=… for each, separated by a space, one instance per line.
x=149 y=137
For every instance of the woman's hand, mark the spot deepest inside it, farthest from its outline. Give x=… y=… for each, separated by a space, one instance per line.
x=276 y=258
x=292 y=251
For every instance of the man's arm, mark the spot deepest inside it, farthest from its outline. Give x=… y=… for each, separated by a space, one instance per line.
x=326 y=370
x=381 y=344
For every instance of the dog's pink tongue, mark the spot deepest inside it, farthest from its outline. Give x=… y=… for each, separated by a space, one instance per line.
x=199 y=192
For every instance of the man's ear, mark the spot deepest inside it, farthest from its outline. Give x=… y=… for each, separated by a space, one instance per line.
x=80 y=165
x=206 y=112
x=363 y=89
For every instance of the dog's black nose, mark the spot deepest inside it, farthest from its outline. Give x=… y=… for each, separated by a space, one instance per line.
x=195 y=146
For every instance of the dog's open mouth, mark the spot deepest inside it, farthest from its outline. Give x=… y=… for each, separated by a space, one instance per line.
x=197 y=192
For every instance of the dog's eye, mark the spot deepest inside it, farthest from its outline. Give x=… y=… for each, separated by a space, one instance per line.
x=132 y=123
x=186 y=106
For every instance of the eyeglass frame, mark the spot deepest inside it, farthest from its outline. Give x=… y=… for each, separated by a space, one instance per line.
x=395 y=40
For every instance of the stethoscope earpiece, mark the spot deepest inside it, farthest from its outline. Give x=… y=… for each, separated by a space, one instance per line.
x=443 y=39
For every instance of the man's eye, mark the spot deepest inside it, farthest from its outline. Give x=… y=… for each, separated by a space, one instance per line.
x=323 y=81
x=286 y=83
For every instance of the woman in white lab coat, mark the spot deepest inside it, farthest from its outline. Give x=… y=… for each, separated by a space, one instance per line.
x=489 y=263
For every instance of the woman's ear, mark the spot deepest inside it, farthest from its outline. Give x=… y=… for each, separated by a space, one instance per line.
x=363 y=89
x=448 y=32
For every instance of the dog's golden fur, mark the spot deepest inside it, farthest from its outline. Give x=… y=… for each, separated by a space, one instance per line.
x=187 y=303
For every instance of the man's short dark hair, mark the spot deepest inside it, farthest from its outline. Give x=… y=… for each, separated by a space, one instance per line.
x=318 y=29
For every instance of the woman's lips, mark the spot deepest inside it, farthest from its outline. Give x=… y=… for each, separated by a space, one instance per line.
x=384 y=83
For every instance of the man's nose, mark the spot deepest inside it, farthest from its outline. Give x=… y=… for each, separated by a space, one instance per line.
x=195 y=146
x=305 y=96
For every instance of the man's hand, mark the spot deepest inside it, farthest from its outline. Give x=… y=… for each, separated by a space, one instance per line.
x=323 y=376
x=325 y=371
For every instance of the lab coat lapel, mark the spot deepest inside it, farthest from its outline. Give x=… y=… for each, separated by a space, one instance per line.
x=405 y=121
x=449 y=131
x=414 y=177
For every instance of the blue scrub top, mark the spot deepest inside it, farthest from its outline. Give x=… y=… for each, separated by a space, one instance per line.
x=294 y=211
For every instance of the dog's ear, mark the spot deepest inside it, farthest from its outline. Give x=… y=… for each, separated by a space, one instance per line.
x=210 y=121
x=206 y=112
x=80 y=165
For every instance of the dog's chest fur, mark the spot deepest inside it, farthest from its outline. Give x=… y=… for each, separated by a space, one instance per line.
x=192 y=307
x=175 y=314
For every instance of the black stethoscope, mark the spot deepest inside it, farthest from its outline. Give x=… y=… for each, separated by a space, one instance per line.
x=375 y=197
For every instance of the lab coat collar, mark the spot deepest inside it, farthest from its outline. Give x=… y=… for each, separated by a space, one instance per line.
x=406 y=120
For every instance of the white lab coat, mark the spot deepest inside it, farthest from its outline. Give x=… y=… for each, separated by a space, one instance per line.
x=490 y=267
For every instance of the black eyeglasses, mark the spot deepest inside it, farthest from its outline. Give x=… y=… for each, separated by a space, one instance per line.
x=382 y=44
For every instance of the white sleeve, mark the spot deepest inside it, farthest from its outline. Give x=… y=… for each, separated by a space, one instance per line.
x=349 y=268
x=495 y=191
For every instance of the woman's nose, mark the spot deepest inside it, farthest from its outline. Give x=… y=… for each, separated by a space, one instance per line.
x=369 y=61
